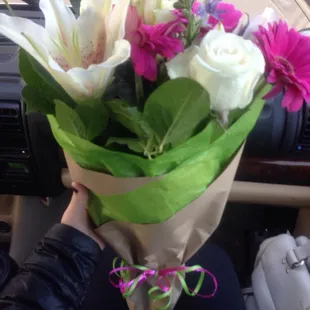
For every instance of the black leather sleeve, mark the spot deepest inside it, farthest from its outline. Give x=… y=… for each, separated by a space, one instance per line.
x=56 y=275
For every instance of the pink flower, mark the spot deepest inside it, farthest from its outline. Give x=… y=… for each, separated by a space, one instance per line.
x=214 y=12
x=195 y=7
x=287 y=56
x=227 y=15
x=148 y=41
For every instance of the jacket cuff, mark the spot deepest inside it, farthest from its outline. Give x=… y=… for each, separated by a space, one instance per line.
x=74 y=238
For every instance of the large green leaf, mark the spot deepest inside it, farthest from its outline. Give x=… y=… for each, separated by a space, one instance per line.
x=29 y=75
x=94 y=115
x=36 y=76
x=36 y=88
x=87 y=121
x=37 y=101
x=129 y=117
x=136 y=145
x=175 y=109
x=69 y=120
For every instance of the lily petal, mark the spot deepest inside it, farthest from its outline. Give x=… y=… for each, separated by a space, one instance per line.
x=243 y=23
x=80 y=54
x=148 y=11
x=59 y=20
x=268 y=17
x=27 y=34
x=164 y=16
x=104 y=5
x=83 y=83
x=91 y=36
x=116 y=25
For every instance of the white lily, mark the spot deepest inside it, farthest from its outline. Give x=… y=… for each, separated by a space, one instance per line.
x=155 y=11
x=81 y=54
x=269 y=16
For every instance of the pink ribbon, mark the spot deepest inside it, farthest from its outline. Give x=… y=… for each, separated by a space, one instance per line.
x=163 y=280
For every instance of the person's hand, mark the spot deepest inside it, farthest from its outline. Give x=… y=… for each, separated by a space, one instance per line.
x=76 y=215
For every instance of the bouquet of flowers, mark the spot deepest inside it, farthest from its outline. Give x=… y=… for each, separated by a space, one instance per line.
x=151 y=102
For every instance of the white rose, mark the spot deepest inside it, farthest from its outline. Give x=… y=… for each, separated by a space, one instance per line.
x=268 y=16
x=226 y=65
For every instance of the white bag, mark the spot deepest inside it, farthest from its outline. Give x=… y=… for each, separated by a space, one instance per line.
x=281 y=279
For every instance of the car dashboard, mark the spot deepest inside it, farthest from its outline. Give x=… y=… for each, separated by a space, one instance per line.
x=29 y=157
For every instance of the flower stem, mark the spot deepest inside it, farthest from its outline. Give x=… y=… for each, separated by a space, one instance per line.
x=260 y=86
x=192 y=26
x=9 y=7
x=162 y=76
x=139 y=91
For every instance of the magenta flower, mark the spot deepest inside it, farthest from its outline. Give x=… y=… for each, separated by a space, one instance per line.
x=214 y=12
x=228 y=15
x=287 y=57
x=148 y=41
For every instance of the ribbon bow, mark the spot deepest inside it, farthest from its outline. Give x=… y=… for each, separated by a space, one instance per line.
x=164 y=279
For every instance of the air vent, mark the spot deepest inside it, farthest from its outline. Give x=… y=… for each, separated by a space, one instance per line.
x=303 y=144
x=12 y=137
x=10 y=119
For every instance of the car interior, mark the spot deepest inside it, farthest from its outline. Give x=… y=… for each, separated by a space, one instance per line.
x=270 y=194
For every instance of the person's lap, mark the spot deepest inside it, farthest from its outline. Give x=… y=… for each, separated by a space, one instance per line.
x=102 y=295
x=228 y=295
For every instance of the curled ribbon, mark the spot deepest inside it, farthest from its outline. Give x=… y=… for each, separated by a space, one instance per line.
x=164 y=279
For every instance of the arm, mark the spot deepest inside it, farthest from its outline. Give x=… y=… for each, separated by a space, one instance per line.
x=58 y=273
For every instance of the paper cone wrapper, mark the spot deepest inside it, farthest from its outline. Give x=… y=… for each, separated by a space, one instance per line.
x=167 y=244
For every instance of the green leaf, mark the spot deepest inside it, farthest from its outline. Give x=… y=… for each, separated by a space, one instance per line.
x=76 y=4
x=136 y=145
x=120 y=164
x=36 y=76
x=37 y=94
x=129 y=117
x=175 y=109
x=69 y=120
x=36 y=101
x=94 y=115
x=29 y=75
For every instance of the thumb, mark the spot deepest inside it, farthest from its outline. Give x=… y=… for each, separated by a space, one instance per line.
x=79 y=198
x=77 y=217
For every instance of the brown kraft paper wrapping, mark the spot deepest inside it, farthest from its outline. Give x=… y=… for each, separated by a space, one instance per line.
x=168 y=244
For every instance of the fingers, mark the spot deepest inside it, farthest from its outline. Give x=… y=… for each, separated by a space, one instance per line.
x=76 y=215
x=80 y=196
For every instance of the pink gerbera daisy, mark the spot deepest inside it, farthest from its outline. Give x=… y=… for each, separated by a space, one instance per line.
x=287 y=56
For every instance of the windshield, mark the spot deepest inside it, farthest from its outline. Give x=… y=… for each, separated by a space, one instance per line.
x=30 y=1
x=295 y=12
x=14 y=2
